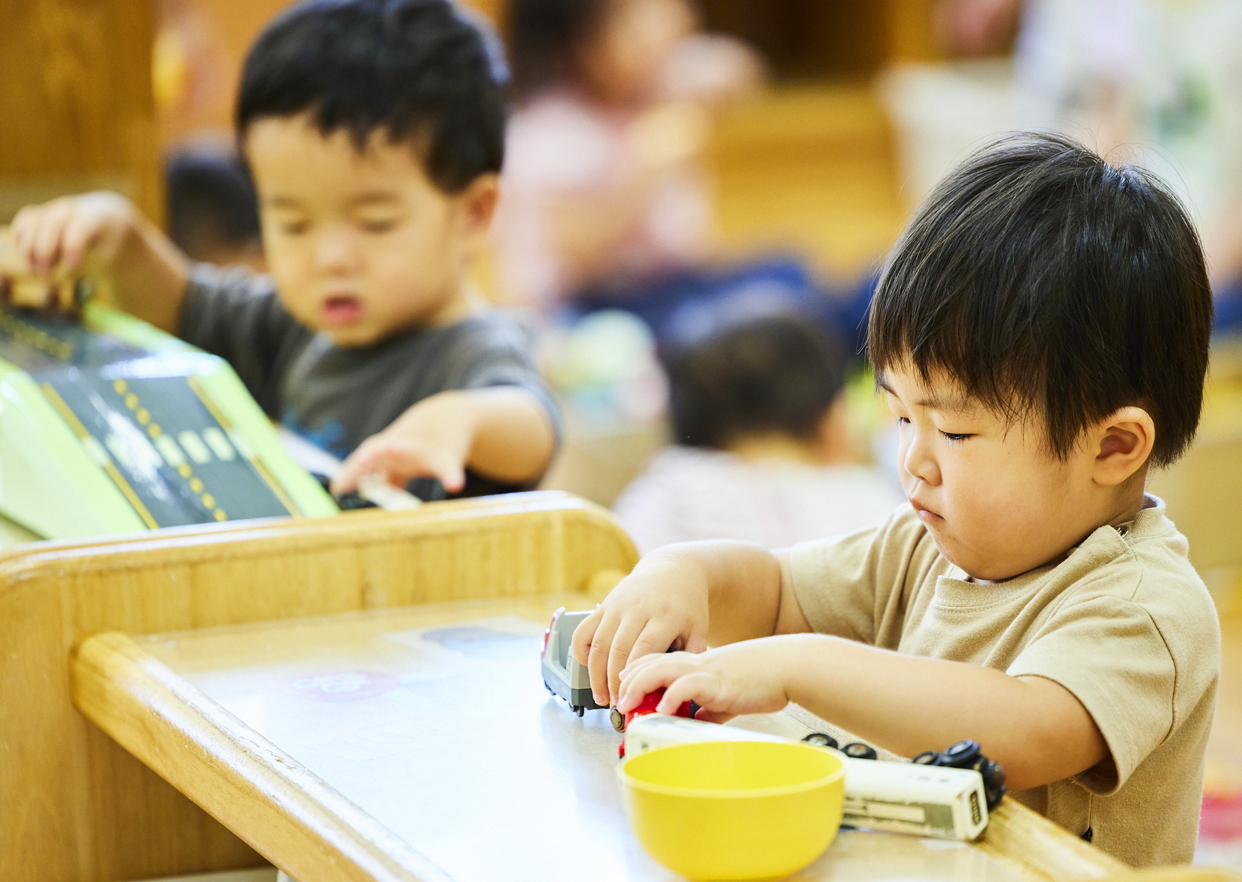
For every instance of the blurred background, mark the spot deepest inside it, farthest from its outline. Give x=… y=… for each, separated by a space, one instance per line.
x=790 y=138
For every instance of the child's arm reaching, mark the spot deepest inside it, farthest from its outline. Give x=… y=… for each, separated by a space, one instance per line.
x=149 y=271
x=666 y=601
x=500 y=432
x=1034 y=727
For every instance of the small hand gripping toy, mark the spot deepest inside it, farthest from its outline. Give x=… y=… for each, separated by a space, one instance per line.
x=648 y=706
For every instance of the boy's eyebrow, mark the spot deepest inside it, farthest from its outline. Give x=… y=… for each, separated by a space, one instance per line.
x=281 y=202
x=372 y=197
x=954 y=402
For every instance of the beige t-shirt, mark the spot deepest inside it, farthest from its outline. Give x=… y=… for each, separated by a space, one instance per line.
x=1123 y=622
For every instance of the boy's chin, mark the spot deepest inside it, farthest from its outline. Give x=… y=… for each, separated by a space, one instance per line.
x=354 y=337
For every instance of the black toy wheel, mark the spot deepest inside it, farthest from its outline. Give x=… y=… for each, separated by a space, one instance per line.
x=821 y=739
x=858 y=750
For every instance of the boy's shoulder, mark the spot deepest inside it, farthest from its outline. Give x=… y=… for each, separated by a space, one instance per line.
x=1145 y=561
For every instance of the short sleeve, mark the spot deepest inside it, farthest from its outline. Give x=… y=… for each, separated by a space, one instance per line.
x=1111 y=655
x=495 y=351
x=236 y=315
x=854 y=586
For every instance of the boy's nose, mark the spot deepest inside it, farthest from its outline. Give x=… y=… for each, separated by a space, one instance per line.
x=919 y=463
x=335 y=252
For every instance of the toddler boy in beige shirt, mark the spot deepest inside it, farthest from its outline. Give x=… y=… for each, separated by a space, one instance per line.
x=1041 y=335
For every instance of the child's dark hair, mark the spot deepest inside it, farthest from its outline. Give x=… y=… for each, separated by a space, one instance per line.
x=1045 y=281
x=211 y=201
x=775 y=372
x=543 y=37
x=424 y=71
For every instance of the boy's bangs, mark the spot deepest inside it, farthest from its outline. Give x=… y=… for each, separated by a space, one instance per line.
x=952 y=334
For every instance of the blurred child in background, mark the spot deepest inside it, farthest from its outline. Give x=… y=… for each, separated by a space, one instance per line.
x=606 y=202
x=375 y=131
x=765 y=451
x=213 y=211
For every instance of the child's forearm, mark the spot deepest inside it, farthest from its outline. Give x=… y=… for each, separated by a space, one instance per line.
x=745 y=596
x=151 y=274
x=513 y=438
x=907 y=704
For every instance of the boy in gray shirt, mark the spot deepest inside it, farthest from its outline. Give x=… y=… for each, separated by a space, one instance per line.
x=375 y=132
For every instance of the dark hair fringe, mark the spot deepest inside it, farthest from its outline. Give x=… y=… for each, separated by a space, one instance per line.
x=772 y=371
x=423 y=71
x=1045 y=281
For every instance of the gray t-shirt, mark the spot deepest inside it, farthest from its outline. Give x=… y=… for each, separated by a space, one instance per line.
x=336 y=397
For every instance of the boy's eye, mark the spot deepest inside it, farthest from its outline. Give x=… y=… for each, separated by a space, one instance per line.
x=292 y=228
x=377 y=225
x=956 y=436
x=901 y=421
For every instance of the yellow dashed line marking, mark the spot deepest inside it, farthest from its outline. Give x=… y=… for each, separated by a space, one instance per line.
x=119 y=386
x=196 y=485
x=184 y=470
x=209 y=500
x=36 y=337
x=154 y=430
x=220 y=515
x=143 y=416
x=131 y=401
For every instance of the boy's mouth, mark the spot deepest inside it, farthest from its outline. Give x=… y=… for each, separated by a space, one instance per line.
x=341 y=309
x=925 y=514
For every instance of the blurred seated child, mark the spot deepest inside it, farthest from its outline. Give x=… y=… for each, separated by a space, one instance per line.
x=375 y=132
x=764 y=449
x=1041 y=334
x=213 y=211
x=606 y=202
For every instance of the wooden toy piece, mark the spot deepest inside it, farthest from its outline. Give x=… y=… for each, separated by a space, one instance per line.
x=20 y=286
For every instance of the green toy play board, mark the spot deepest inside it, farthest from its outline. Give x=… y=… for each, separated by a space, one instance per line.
x=108 y=425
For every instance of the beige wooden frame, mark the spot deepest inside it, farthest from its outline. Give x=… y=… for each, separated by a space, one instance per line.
x=75 y=806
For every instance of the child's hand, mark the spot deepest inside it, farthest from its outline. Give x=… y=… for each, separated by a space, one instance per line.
x=662 y=604
x=432 y=438
x=742 y=678
x=57 y=235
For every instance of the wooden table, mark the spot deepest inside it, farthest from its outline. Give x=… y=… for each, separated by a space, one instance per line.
x=420 y=743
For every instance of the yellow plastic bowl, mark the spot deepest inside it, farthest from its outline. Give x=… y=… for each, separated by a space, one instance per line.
x=734 y=809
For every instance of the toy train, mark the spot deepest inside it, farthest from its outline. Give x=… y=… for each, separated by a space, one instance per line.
x=945 y=795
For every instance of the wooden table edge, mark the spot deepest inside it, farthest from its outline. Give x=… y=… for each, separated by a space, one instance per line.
x=240 y=778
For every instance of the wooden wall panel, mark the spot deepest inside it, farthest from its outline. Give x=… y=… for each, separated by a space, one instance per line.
x=76 y=103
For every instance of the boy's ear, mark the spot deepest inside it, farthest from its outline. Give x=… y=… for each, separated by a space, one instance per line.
x=478 y=205
x=1121 y=444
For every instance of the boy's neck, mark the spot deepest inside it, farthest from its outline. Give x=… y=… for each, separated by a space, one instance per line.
x=1130 y=501
x=779 y=448
x=467 y=301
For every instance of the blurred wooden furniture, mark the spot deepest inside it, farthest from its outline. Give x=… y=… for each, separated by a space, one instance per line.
x=1203 y=487
x=419 y=744
x=77 y=102
x=77 y=807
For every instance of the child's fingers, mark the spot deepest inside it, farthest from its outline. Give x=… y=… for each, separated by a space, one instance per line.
x=709 y=716
x=597 y=657
x=47 y=237
x=623 y=643
x=646 y=675
x=81 y=233
x=584 y=635
x=698 y=686
x=360 y=462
